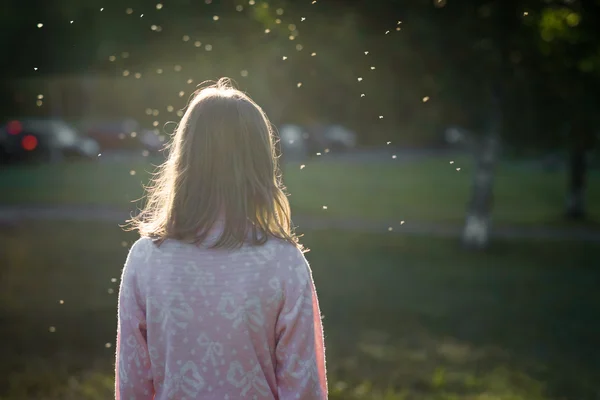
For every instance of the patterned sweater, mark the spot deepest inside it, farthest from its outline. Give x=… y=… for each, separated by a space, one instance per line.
x=199 y=323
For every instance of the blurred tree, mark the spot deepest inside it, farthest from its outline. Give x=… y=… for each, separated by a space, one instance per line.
x=507 y=57
x=475 y=40
x=569 y=51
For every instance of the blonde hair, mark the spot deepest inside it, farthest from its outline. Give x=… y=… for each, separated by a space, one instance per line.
x=222 y=165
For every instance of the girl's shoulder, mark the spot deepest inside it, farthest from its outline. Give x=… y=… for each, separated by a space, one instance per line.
x=140 y=249
x=292 y=258
x=285 y=249
x=143 y=244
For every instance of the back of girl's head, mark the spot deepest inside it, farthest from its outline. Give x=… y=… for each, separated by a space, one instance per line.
x=222 y=166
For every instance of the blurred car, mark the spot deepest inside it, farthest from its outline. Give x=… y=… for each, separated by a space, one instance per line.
x=455 y=134
x=122 y=135
x=337 y=138
x=43 y=140
x=299 y=142
x=291 y=140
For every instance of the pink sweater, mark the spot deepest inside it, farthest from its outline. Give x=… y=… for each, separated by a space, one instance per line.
x=198 y=323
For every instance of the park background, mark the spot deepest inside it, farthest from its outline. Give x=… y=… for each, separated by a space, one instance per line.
x=448 y=266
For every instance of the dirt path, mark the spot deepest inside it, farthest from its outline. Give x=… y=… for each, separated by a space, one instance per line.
x=14 y=214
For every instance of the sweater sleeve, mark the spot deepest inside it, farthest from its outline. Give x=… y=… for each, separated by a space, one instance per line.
x=300 y=351
x=133 y=374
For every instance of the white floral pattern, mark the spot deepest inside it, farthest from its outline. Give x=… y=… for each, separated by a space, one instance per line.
x=171 y=311
x=202 y=280
x=214 y=350
x=248 y=311
x=186 y=381
x=247 y=380
x=277 y=296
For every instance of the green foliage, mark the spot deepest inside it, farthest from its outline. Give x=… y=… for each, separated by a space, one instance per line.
x=569 y=43
x=439 y=378
x=558 y=23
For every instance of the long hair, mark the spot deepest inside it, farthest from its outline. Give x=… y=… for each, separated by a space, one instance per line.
x=222 y=166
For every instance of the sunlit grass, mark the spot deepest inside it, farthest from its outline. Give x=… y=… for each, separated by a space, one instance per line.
x=405 y=318
x=429 y=191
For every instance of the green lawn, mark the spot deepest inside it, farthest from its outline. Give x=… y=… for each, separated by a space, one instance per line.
x=405 y=318
x=429 y=191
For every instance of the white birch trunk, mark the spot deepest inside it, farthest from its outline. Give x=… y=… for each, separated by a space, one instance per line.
x=477 y=229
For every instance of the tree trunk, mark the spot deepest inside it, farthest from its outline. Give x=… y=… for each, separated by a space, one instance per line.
x=476 y=233
x=581 y=140
x=575 y=205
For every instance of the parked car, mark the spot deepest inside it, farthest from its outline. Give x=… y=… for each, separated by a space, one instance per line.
x=43 y=140
x=124 y=134
x=337 y=138
x=292 y=142
x=301 y=142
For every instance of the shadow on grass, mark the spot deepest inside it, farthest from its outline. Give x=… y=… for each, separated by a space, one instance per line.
x=405 y=318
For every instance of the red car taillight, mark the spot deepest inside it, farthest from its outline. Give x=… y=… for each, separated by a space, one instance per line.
x=29 y=142
x=14 y=127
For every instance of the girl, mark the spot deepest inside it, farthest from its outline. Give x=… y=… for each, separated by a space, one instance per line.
x=217 y=300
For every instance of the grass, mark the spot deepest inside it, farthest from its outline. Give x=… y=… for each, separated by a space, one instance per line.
x=405 y=318
x=429 y=191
